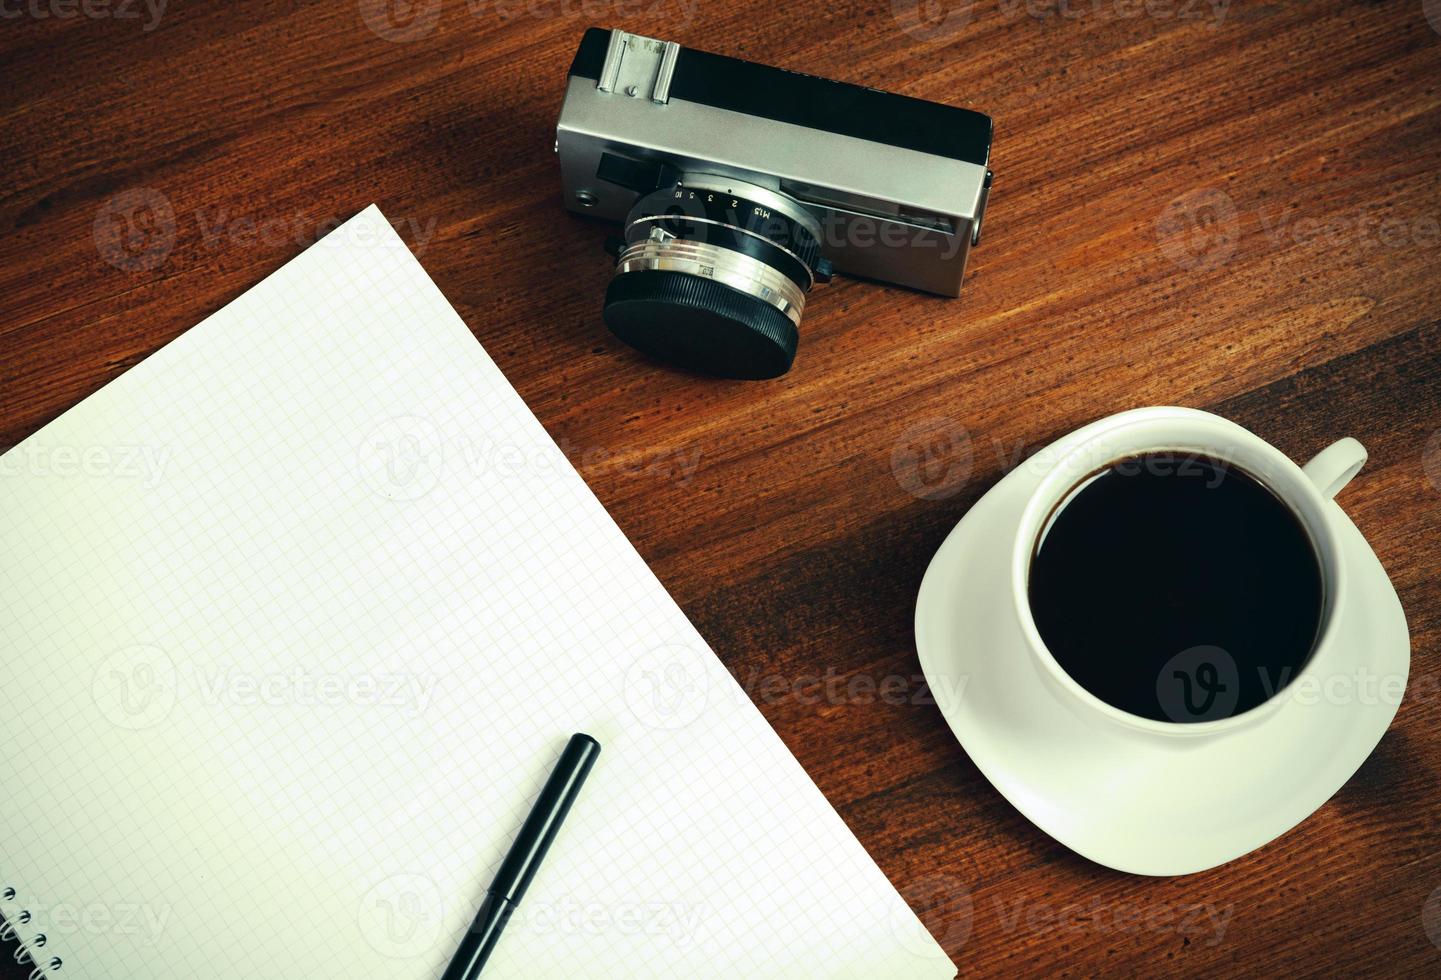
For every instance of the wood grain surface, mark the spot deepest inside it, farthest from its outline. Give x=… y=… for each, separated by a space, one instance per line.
x=1228 y=207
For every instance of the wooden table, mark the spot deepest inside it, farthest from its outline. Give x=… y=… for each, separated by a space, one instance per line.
x=1231 y=209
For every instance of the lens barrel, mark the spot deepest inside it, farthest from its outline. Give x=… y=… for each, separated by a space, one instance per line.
x=713 y=277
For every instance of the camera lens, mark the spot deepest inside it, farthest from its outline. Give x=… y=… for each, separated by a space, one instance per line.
x=713 y=277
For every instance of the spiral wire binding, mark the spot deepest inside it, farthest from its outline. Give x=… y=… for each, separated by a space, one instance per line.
x=23 y=951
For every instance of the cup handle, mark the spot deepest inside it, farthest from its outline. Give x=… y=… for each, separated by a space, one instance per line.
x=1333 y=467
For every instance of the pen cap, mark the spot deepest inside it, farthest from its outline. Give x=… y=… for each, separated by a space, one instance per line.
x=546 y=816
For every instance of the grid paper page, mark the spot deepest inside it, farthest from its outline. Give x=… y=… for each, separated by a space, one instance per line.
x=295 y=618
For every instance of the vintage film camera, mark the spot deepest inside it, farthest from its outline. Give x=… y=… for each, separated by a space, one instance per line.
x=738 y=187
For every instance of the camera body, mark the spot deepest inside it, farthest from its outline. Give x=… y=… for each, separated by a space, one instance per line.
x=706 y=161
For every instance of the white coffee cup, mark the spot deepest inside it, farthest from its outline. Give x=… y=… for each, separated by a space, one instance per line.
x=1133 y=793
x=1307 y=491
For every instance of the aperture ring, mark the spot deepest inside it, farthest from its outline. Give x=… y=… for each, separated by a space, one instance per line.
x=725 y=266
x=734 y=210
x=731 y=238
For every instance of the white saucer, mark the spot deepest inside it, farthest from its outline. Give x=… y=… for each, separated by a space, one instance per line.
x=1136 y=801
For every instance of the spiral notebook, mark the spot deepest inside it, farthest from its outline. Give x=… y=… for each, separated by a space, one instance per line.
x=295 y=618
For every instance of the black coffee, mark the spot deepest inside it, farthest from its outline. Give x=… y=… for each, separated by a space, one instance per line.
x=1177 y=587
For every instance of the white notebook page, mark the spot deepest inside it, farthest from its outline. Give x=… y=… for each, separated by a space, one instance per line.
x=295 y=618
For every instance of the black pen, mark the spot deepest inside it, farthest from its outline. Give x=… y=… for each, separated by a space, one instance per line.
x=524 y=857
